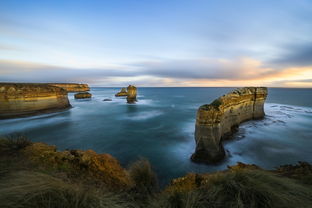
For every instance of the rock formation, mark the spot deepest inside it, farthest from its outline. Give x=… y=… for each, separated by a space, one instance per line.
x=132 y=93
x=107 y=99
x=83 y=95
x=28 y=99
x=217 y=121
x=103 y=167
x=123 y=92
x=72 y=87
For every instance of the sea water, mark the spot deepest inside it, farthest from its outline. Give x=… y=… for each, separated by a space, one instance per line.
x=160 y=127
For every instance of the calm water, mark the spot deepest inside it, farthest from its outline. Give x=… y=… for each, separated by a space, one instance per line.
x=160 y=127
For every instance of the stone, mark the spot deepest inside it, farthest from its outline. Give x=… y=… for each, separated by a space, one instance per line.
x=83 y=95
x=217 y=121
x=25 y=99
x=107 y=99
x=132 y=93
x=72 y=87
x=123 y=92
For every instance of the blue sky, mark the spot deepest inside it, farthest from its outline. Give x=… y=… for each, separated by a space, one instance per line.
x=157 y=43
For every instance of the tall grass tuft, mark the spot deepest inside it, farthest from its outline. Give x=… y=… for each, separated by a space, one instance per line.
x=14 y=143
x=240 y=189
x=144 y=177
x=37 y=190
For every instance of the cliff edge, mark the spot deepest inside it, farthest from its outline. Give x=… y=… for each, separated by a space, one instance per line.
x=72 y=87
x=21 y=99
x=217 y=121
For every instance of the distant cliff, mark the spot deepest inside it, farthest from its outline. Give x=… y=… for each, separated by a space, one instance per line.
x=72 y=87
x=218 y=120
x=21 y=99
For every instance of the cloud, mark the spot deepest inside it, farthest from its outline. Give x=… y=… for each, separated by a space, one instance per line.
x=162 y=72
x=298 y=54
x=205 y=68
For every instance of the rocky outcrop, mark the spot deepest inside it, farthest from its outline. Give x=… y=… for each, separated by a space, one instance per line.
x=72 y=87
x=123 y=92
x=107 y=99
x=217 y=121
x=83 y=95
x=21 y=99
x=87 y=164
x=132 y=93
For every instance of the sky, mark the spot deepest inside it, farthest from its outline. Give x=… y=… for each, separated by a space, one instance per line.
x=164 y=43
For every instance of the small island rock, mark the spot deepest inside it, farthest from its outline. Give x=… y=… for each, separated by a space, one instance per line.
x=123 y=92
x=132 y=93
x=83 y=95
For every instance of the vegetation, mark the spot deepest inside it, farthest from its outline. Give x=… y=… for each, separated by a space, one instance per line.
x=36 y=175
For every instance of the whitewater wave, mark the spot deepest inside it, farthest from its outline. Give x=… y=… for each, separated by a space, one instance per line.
x=141 y=116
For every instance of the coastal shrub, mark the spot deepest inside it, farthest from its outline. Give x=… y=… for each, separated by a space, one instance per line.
x=145 y=179
x=240 y=188
x=37 y=190
x=14 y=143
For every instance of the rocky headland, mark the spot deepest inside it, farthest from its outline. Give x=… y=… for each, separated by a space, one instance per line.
x=72 y=87
x=22 y=99
x=218 y=120
x=83 y=95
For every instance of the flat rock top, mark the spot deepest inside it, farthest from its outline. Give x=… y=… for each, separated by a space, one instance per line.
x=21 y=88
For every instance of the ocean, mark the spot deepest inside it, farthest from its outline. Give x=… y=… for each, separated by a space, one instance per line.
x=160 y=127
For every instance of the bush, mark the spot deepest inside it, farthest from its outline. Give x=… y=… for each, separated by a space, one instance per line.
x=14 y=143
x=143 y=176
x=240 y=188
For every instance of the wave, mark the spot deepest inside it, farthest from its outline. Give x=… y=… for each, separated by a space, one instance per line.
x=143 y=115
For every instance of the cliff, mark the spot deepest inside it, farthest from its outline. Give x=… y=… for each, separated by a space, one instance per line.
x=132 y=93
x=217 y=121
x=72 y=87
x=28 y=99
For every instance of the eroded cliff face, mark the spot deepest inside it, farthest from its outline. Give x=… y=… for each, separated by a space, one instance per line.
x=132 y=93
x=28 y=99
x=217 y=121
x=72 y=87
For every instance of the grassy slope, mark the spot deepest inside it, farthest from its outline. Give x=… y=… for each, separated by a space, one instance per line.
x=26 y=181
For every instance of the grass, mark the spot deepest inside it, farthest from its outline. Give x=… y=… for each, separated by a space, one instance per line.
x=13 y=143
x=145 y=182
x=23 y=185
x=37 y=190
x=241 y=189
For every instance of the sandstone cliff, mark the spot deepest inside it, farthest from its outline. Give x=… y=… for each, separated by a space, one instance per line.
x=132 y=93
x=218 y=120
x=28 y=99
x=72 y=87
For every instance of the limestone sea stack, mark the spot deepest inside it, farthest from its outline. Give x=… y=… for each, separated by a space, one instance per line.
x=132 y=93
x=83 y=95
x=218 y=120
x=22 y=99
x=123 y=92
x=72 y=87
